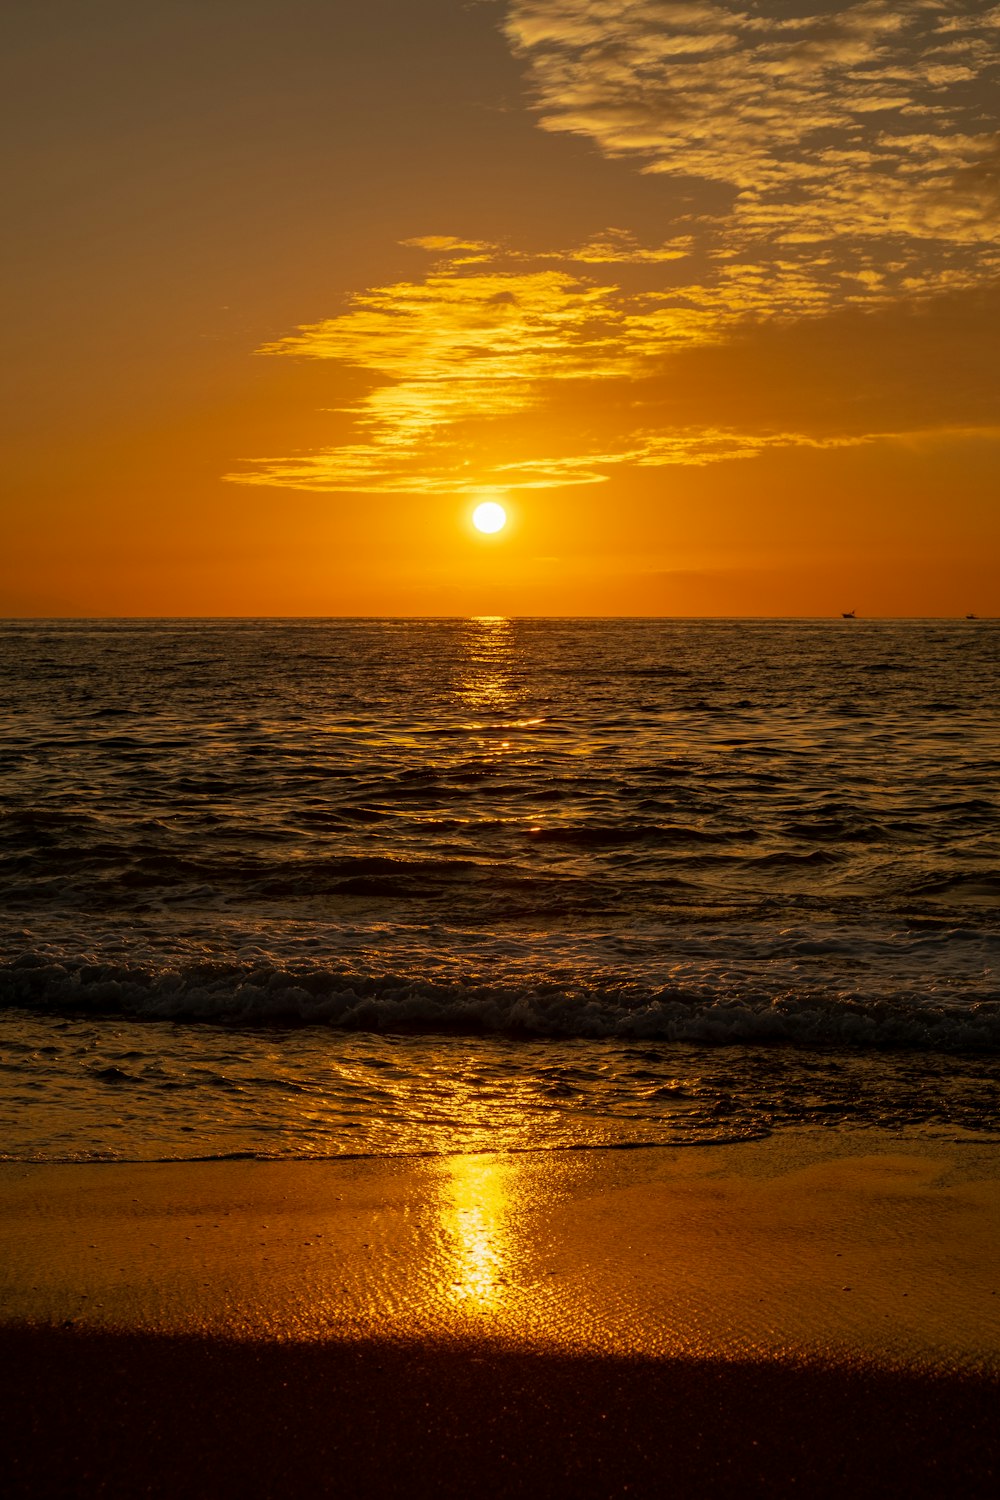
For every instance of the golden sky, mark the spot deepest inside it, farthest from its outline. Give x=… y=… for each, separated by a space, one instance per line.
x=707 y=295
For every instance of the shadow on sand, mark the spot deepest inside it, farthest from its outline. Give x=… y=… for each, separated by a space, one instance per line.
x=97 y=1413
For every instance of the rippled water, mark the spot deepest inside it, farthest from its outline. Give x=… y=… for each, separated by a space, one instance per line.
x=513 y=845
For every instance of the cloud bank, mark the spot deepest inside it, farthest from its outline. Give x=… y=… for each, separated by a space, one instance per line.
x=859 y=147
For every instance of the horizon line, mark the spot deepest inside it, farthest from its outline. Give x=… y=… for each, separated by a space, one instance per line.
x=841 y=616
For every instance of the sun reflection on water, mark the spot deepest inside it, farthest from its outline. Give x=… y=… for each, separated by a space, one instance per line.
x=488 y=684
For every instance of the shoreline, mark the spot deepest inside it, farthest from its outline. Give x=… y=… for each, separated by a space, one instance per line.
x=810 y=1314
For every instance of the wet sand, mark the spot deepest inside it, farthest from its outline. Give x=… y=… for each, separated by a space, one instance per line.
x=816 y=1314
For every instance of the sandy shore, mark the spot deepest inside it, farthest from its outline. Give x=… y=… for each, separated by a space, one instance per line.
x=816 y=1314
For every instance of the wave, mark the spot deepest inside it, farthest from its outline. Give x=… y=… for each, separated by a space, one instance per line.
x=248 y=995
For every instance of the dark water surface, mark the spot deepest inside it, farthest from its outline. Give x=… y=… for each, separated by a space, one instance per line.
x=452 y=884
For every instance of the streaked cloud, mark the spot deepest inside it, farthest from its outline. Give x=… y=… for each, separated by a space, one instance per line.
x=464 y=347
x=471 y=345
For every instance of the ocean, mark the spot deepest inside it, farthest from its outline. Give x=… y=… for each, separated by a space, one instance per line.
x=315 y=888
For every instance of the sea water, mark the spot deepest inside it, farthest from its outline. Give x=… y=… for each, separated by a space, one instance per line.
x=322 y=887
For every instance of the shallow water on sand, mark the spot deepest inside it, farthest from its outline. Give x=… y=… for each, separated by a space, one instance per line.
x=493 y=861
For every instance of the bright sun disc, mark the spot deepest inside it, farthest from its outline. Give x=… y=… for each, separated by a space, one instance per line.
x=489 y=516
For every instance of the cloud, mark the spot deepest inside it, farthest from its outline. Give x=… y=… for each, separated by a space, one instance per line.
x=531 y=378
x=461 y=343
x=620 y=247
x=469 y=346
x=464 y=347
x=859 y=141
x=855 y=153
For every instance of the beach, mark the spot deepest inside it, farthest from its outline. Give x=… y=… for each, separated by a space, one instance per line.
x=816 y=1313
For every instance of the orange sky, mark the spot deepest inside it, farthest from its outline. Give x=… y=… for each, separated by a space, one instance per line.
x=708 y=294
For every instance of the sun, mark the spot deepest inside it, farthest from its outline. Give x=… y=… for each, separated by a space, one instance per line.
x=489 y=516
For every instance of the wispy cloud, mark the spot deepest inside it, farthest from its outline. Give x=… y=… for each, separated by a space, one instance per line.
x=463 y=347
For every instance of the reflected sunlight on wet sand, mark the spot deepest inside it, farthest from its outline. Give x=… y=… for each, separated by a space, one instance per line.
x=850 y=1247
x=811 y=1314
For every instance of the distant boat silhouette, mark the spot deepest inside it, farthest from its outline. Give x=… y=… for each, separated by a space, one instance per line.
x=848 y=614
x=972 y=617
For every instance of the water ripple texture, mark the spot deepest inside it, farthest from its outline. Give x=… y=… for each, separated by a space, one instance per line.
x=777 y=834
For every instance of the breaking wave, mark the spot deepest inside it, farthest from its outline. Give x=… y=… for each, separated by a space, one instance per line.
x=708 y=1012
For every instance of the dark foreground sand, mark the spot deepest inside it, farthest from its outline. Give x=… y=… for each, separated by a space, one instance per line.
x=816 y=1315
x=95 y=1413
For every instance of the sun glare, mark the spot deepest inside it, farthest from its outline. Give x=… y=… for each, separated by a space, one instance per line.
x=489 y=516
